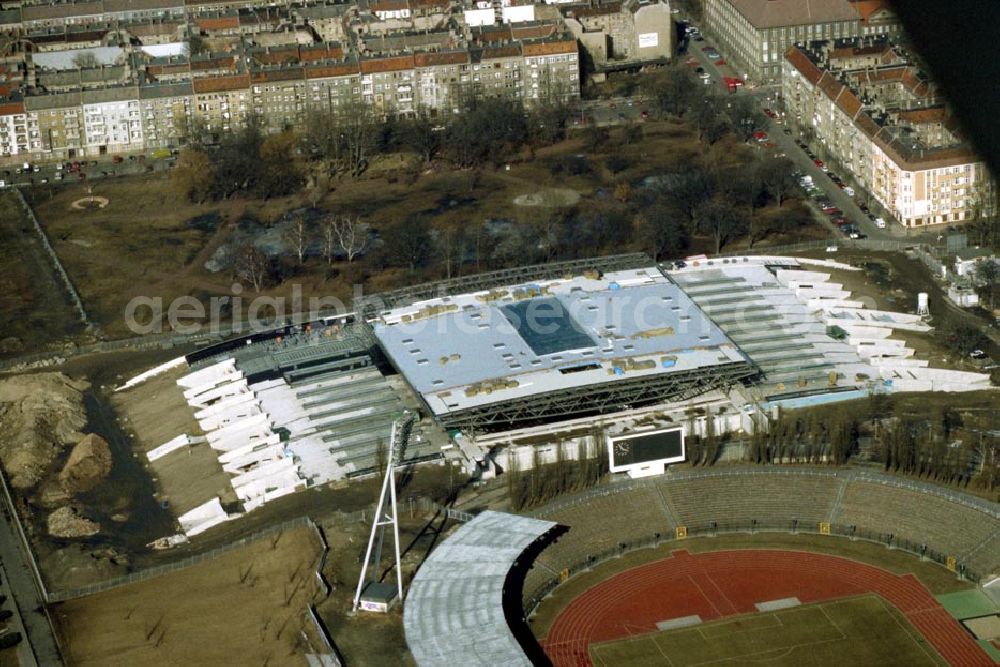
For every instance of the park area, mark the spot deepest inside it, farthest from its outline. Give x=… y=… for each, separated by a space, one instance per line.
x=598 y=191
x=246 y=607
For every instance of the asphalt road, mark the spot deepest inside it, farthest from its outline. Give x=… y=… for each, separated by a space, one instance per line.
x=105 y=168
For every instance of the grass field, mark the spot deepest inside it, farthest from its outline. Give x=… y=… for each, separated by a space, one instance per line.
x=856 y=631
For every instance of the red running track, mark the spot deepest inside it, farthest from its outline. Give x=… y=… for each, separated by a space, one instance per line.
x=724 y=583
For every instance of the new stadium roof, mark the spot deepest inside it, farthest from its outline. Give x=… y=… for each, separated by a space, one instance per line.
x=470 y=351
x=453 y=614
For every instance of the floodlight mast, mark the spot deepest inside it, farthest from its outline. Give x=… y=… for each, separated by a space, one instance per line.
x=387 y=515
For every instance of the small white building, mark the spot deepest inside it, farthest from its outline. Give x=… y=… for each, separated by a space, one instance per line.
x=962 y=294
x=966 y=260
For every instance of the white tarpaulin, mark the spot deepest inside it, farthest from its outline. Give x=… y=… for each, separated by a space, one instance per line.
x=648 y=40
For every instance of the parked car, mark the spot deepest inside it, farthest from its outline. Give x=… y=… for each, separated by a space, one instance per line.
x=760 y=135
x=818 y=163
x=880 y=223
x=117 y=159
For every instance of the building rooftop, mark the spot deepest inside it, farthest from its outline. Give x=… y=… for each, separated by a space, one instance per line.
x=486 y=347
x=778 y=13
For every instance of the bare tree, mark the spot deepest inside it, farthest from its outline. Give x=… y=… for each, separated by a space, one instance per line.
x=352 y=236
x=85 y=60
x=297 y=234
x=722 y=219
x=252 y=265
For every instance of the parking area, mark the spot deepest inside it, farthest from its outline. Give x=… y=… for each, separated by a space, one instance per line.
x=78 y=170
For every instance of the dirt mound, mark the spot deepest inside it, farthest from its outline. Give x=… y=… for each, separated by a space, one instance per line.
x=67 y=522
x=88 y=464
x=39 y=414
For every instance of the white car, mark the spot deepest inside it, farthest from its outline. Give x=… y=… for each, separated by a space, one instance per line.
x=880 y=223
x=831 y=248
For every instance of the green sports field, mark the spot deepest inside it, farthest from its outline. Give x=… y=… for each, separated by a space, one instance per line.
x=862 y=630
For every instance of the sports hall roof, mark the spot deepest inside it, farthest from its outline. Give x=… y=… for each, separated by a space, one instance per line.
x=482 y=348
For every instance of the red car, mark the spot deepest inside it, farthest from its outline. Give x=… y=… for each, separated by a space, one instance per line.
x=760 y=136
x=833 y=210
x=720 y=61
x=840 y=222
x=117 y=159
x=818 y=163
x=770 y=114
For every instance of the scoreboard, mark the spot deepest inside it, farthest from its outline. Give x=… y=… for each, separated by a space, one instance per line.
x=633 y=451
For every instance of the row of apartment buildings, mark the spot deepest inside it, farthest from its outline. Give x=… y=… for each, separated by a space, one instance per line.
x=154 y=105
x=882 y=121
x=141 y=88
x=96 y=77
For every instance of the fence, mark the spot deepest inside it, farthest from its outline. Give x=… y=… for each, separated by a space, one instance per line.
x=145 y=342
x=858 y=244
x=719 y=528
x=149 y=573
x=54 y=258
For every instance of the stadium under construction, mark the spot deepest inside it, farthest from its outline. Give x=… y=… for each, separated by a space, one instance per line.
x=578 y=353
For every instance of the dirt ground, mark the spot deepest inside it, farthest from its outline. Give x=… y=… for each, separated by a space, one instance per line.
x=156 y=412
x=892 y=281
x=35 y=310
x=937 y=579
x=245 y=607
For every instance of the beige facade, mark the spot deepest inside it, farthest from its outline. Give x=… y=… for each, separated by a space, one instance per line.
x=881 y=122
x=282 y=88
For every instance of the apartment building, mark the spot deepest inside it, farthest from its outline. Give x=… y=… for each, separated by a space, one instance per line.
x=877 y=117
x=151 y=103
x=754 y=34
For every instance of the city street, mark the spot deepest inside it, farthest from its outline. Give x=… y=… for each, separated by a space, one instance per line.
x=105 y=168
x=39 y=644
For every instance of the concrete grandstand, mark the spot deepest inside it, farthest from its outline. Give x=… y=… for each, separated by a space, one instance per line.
x=548 y=353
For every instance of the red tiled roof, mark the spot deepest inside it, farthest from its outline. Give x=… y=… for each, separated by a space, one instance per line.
x=388 y=5
x=283 y=74
x=500 y=52
x=11 y=108
x=532 y=31
x=548 y=48
x=331 y=71
x=924 y=116
x=221 y=62
x=217 y=84
x=441 y=58
x=217 y=22
x=849 y=102
x=801 y=62
x=392 y=64
x=828 y=84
